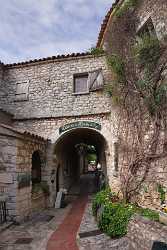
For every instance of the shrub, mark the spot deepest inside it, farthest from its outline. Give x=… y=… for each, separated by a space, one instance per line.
x=96 y=51
x=101 y=198
x=114 y=219
x=115 y=215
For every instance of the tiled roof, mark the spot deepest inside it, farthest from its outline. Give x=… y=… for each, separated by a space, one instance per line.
x=22 y=132
x=105 y=23
x=73 y=55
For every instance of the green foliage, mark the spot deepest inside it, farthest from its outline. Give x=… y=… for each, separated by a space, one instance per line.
x=115 y=216
x=96 y=51
x=127 y=5
x=162 y=193
x=91 y=157
x=42 y=186
x=101 y=198
x=24 y=180
x=117 y=66
x=147 y=51
x=146 y=212
x=114 y=219
x=109 y=89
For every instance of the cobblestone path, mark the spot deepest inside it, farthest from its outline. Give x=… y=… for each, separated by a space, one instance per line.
x=64 y=238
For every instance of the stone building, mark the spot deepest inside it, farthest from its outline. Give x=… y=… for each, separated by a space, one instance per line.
x=60 y=102
x=51 y=105
x=145 y=18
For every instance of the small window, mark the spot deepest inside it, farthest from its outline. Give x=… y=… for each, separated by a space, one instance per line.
x=22 y=91
x=84 y=83
x=81 y=83
x=147 y=29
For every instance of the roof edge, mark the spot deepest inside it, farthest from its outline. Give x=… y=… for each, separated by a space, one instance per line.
x=106 y=21
x=52 y=58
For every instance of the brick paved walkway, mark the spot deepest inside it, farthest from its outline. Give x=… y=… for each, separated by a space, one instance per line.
x=64 y=238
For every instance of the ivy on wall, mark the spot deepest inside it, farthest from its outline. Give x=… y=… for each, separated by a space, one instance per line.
x=24 y=180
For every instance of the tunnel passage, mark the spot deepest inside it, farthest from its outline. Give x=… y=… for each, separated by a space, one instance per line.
x=72 y=151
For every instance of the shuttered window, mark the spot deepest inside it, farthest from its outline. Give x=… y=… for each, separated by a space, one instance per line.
x=81 y=83
x=22 y=91
x=95 y=80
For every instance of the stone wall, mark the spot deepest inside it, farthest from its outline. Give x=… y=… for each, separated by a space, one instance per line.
x=25 y=150
x=6 y=118
x=16 y=151
x=156 y=9
x=142 y=233
x=149 y=195
x=8 y=171
x=51 y=88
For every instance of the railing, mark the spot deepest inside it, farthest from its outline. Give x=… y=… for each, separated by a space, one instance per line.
x=3 y=211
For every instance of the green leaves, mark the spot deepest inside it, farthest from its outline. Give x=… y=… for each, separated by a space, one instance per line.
x=114 y=219
x=117 y=66
x=147 y=51
x=162 y=193
x=96 y=51
x=127 y=5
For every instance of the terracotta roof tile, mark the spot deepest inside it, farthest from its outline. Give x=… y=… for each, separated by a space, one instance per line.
x=105 y=23
x=19 y=131
x=73 y=55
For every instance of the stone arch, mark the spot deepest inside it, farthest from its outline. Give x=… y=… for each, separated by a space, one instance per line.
x=36 y=169
x=89 y=136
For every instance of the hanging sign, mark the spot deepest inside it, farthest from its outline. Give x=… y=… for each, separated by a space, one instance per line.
x=79 y=124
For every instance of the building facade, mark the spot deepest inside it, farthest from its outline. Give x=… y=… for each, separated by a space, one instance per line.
x=49 y=106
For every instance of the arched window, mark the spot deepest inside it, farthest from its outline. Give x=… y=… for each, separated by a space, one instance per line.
x=36 y=168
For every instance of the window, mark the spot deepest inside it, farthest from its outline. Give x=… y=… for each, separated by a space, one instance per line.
x=22 y=91
x=147 y=29
x=83 y=83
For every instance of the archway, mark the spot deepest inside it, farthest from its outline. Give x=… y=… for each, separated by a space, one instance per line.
x=71 y=150
x=36 y=168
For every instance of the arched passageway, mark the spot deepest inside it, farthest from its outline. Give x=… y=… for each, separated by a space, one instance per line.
x=36 y=168
x=78 y=151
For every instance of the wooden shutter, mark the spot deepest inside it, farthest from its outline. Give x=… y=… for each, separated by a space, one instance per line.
x=95 y=80
x=22 y=91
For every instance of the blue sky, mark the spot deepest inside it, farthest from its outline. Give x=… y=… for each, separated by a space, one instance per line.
x=32 y=29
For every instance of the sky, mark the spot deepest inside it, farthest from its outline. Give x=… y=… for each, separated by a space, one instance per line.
x=31 y=29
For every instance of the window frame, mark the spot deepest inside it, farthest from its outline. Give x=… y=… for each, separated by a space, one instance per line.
x=80 y=75
x=26 y=98
x=140 y=31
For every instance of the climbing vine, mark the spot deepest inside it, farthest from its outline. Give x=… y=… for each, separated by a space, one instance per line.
x=139 y=88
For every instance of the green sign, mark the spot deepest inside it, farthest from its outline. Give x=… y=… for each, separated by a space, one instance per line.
x=79 y=124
